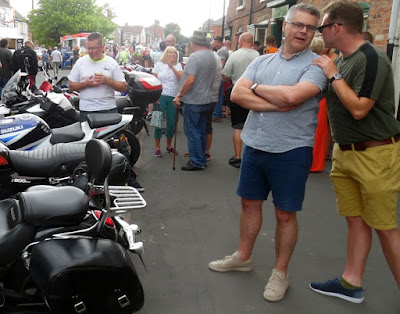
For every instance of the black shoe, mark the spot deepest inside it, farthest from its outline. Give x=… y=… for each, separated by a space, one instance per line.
x=190 y=167
x=235 y=162
x=136 y=185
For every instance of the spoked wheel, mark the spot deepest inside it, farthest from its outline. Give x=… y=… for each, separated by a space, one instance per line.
x=127 y=144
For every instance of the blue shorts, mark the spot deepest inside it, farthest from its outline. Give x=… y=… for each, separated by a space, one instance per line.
x=285 y=174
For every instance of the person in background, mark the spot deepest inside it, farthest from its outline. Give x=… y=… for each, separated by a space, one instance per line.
x=257 y=46
x=5 y=60
x=155 y=56
x=366 y=155
x=146 y=56
x=214 y=99
x=223 y=54
x=64 y=57
x=46 y=60
x=169 y=71
x=96 y=77
x=270 y=43
x=228 y=45
x=123 y=56
x=56 y=59
x=368 y=36
x=234 y=68
x=170 y=40
x=282 y=92
x=196 y=95
x=18 y=60
x=319 y=150
x=75 y=53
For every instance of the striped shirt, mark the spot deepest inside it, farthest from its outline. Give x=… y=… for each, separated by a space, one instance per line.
x=278 y=132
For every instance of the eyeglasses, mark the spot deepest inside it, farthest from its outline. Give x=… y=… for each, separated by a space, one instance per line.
x=322 y=27
x=299 y=26
x=93 y=48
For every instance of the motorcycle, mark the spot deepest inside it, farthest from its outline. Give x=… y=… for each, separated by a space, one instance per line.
x=53 y=259
x=59 y=165
x=130 y=67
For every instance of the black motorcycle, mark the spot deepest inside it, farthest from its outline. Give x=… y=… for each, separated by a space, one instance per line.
x=58 y=165
x=54 y=259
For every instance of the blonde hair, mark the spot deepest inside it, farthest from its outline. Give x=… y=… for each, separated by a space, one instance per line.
x=317 y=45
x=169 y=49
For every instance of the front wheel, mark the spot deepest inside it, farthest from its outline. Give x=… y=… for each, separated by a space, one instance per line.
x=127 y=144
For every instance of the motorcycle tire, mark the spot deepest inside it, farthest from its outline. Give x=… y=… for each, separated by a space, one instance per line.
x=127 y=144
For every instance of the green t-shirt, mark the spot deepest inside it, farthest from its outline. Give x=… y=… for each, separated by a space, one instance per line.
x=369 y=73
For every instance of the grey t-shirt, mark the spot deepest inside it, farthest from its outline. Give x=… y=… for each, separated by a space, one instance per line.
x=278 y=132
x=238 y=63
x=202 y=65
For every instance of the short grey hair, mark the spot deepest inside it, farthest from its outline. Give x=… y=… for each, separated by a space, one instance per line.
x=304 y=7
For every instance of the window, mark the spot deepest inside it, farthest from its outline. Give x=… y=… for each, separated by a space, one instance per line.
x=241 y=5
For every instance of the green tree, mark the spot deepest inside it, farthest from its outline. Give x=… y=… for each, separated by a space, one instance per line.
x=206 y=25
x=56 y=18
x=172 y=28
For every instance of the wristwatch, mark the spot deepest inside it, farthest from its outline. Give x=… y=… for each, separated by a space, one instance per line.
x=336 y=76
x=253 y=88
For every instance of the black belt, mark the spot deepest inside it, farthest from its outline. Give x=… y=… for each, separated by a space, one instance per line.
x=373 y=143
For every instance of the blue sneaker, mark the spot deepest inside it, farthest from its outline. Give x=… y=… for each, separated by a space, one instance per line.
x=334 y=288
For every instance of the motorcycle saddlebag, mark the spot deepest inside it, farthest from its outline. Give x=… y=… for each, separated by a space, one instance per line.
x=86 y=276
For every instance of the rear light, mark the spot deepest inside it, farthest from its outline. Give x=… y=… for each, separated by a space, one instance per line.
x=3 y=161
x=109 y=221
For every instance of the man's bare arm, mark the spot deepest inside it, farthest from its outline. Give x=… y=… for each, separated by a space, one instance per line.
x=97 y=80
x=282 y=95
x=244 y=96
x=357 y=106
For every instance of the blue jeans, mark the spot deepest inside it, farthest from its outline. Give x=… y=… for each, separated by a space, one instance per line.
x=3 y=82
x=195 y=119
x=218 y=107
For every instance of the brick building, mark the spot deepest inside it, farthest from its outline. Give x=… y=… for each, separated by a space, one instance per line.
x=265 y=17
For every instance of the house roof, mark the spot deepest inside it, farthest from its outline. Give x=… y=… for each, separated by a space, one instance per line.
x=132 y=29
x=5 y=4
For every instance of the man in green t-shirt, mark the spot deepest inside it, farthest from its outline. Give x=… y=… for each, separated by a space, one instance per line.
x=366 y=157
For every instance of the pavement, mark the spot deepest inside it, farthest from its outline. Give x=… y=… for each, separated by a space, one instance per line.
x=192 y=218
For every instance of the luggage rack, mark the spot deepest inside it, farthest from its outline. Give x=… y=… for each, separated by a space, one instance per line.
x=125 y=198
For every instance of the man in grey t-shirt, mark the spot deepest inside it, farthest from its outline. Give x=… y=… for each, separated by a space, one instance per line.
x=233 y=70
x=282 y=92
x=195 y=93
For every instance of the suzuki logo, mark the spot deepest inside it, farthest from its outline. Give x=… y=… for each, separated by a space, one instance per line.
x=13 y=129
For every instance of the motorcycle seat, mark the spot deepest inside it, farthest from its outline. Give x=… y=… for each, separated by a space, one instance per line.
x=98 y=120
x=55 y=161
x=67 y=134
x=15 y=234
x=64 y=206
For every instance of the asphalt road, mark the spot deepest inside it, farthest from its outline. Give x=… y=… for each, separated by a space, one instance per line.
x=193 y=217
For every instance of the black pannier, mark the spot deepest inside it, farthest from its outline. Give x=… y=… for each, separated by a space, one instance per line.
x=86 y=276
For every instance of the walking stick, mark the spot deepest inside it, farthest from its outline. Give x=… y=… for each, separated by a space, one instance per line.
x=176 y=126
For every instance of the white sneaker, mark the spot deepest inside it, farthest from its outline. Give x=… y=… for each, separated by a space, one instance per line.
x=232 y=262
x=276 y=287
